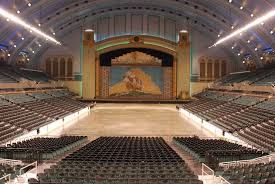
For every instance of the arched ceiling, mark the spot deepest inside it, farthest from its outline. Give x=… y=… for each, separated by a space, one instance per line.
x=213 y=18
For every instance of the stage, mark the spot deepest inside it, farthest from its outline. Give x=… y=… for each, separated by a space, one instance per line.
x=138 y=101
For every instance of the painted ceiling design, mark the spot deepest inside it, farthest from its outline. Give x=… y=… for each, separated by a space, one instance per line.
x=214 y=18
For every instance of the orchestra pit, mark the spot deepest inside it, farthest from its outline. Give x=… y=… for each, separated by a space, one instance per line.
x=137 y=92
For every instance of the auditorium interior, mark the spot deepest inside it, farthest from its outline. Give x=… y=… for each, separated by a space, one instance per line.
x=137 y=92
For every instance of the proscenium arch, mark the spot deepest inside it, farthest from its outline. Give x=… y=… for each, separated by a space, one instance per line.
x=114 y=47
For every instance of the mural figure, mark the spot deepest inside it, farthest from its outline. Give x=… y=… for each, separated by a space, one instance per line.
x=133 y=83
x=136 y=81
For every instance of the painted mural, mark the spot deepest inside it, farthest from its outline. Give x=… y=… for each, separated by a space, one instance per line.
x=131 y=81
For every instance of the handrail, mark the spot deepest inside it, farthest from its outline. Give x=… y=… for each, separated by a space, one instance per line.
x=11 y=162
x=6 y=176
x=205 y=170
x=264 y=159
x=223 y=181
x=34 y=163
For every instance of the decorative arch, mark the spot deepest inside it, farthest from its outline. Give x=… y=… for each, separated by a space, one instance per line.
x=212 y=68
x=59 y=66
x=132 y=59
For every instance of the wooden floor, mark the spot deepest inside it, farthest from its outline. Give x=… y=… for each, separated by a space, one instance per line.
x=133 y=120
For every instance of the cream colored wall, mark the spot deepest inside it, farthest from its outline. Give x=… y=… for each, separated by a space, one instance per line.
x=197 y=87
x=73 y=86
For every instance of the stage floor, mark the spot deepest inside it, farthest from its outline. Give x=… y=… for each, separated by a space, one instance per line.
x=133 y=120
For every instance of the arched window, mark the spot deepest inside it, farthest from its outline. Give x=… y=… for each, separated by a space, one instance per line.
x=70 y=67
x=209 y=69
x=55 y=67
x=59 y=67
x=62 y=68
x=202 y=69
x=49 y=66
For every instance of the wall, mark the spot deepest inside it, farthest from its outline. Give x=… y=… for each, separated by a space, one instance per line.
x=147 y=23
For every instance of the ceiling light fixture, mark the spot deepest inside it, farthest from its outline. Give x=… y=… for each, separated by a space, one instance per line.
x=246 y=27
x=27 y=26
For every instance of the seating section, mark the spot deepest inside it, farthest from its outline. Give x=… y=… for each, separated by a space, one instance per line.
x=21 y=113
x=253 y=173
x=38 y=149
x=35 y=75
x=9 y=74
x=248 y=117
x=121 y=160
x=214 y=151
x=6 y=169
x=263 y=77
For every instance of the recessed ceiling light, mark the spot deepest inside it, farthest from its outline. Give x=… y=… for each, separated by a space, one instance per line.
x=33 y=51
x=53 y=33
x=14 y=46
x=18 y=11
x=250 y=25
x=256 y=49
x=230 y=1
x=239 y=54
x=8 y=20
x=22 y=38
x=9 y=54
x=248 y=41
x=262 y=23
x=232 y=47
x=271 y=32
x=232 y=27
x=39 y=45
x=25 y=25
x=219 y=35
x=241 y=7
x=29 y=4
x=39 y=25
x=262 y=58
x=251 y=15
x=243 y=62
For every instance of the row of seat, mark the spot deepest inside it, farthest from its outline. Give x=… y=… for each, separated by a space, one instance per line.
x=38 y=149
x=239 y=115
x=9 y=74
x=214 y=151
x=263 y=173
x=21 y=113
x=136 y=160
x=264 y=77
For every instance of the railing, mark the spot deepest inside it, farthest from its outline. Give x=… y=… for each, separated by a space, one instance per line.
x=5 y=177
x=264 y=159
x=223 y=181
x=10 y=162
x=207 y=171
x=209 y=176
x=32 y=164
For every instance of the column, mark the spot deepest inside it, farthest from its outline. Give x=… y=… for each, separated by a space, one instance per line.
x=183 y=66
x=88 y=67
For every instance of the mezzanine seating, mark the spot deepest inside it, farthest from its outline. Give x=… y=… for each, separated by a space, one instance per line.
x=121 y=160
x=264 y=77
x=13 y=75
